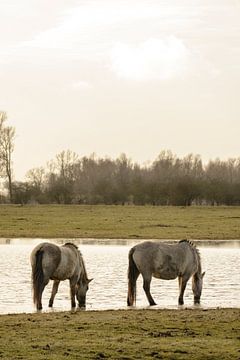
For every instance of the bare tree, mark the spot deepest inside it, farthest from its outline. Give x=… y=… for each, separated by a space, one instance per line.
x=3 y=117
x=36 y=177
x=61 y=177
x=6 y=150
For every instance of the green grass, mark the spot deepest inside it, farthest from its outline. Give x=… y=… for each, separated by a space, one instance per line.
x=85 y=221
x=132 y=334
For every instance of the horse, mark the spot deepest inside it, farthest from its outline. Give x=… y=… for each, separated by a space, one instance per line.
x=57 y=263
x=164 y=261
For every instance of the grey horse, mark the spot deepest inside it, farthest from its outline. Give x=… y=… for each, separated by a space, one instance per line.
x=164 y=261
x=52 y=262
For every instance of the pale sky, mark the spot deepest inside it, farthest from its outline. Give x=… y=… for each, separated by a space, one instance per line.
x=114 y=76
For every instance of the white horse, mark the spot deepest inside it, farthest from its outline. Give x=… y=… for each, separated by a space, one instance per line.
x=52 y=262
x=164 y=261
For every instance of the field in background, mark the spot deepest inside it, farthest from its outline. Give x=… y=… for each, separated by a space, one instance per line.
x=143 y=222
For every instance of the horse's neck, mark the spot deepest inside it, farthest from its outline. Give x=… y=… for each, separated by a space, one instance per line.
x=83 y=275
x=195 y=254
x=198 y=261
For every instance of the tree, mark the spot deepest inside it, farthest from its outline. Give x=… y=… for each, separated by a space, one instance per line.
x=7 y=135
x=3 y=117
x=35 y=180
x=122 y=180
x=36 y=177
x=61 y=177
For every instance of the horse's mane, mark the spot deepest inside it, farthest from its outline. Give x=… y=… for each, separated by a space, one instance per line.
x=195 y=252
x=71 y=244
x=188 y=241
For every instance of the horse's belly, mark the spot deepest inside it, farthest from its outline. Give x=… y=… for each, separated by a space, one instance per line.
x=62 y=274
x=166 y=274
x=65 y=270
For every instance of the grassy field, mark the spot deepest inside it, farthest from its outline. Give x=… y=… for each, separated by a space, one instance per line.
x=85 y=221
x=132 y=334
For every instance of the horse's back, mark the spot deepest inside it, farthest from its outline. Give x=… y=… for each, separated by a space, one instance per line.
x=50 y=254
x=68 y=265
x=165 y=261
x=58 y=262
x=143 y=255
x=147 y=251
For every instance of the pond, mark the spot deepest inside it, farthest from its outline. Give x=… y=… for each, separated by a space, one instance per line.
x=107 y=263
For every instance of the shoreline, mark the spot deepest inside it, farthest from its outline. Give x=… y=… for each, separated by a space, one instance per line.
x=136 y=309
x=119 y=241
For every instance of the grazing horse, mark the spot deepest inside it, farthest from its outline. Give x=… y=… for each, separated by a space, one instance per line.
x=164 y=261
x=52 y=262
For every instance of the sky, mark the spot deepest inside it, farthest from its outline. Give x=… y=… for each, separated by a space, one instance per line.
x=115 y=76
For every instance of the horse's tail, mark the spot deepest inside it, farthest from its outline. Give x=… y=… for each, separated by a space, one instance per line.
x=37 y=277
x=133 y=273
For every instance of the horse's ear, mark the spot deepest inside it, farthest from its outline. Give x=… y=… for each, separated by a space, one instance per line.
x=203 y=274
x=89 y=280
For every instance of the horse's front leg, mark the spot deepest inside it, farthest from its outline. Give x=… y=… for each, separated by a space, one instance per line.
x=182 y=286
x=146 y=287
x=54 y=291
x=73 y=292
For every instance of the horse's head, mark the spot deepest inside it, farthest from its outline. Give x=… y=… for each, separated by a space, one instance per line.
x=197 y=287
x=82 y=288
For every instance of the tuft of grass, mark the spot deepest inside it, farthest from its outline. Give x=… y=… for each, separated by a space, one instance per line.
x=124 y=334
x=126 y=222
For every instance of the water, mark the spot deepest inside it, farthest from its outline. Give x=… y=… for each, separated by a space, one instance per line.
x=107 y=264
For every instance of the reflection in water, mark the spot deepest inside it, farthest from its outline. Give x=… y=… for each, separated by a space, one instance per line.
x=108 y=266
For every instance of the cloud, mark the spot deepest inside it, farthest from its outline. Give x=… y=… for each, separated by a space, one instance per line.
x=81 y=85
x=152 y=59
x=89 y=29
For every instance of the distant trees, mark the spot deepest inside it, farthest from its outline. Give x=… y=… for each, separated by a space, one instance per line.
x=60 y=177
x=169 y=180
x=7 y=135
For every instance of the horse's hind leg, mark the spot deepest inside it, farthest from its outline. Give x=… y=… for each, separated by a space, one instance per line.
x=146 y=287
x=54 y=291
x=182 y=286
x=39 y=299
x=132 y=284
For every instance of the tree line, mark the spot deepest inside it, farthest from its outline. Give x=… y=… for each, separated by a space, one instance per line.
x=168 y=180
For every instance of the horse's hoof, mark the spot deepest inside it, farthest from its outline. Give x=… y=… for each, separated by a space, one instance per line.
x=129 y=303
x=82 y=307
x=196 y=301
x=180 y=301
